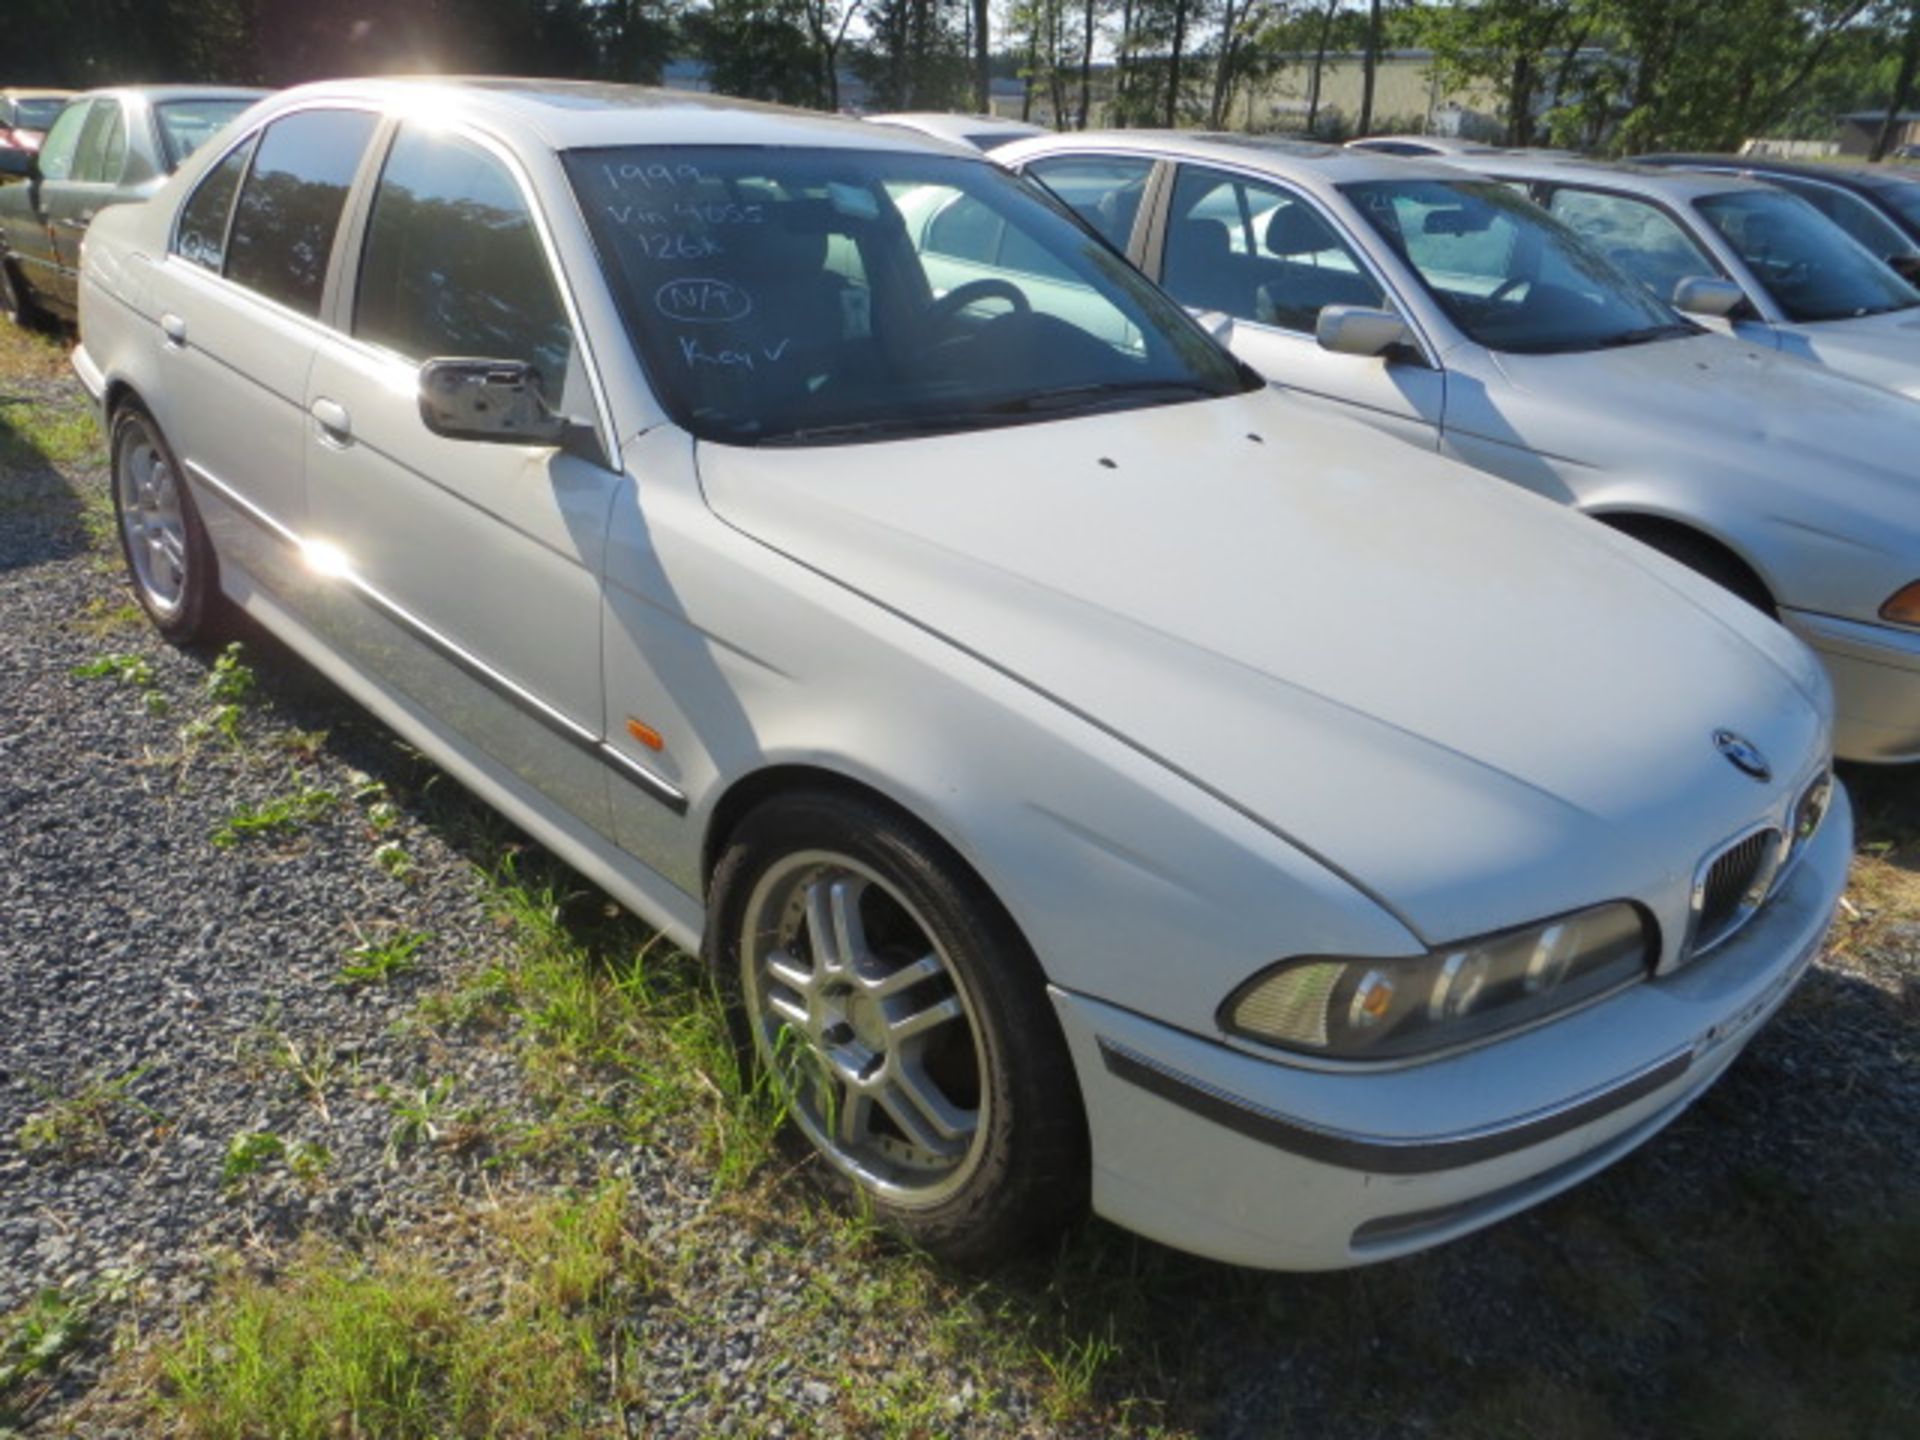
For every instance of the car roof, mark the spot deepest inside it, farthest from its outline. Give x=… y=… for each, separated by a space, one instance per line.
x=30 y=92
x=1649 y=180
x=167 y=94
x=1294 y=159
x=1853 y=177
x=572 y=114
x=1446 y=144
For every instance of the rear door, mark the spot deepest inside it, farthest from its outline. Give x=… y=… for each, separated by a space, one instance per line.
x=476 y=565
x=1269 y=258
x=238 y=307
x=29 y=237
x=71 y=204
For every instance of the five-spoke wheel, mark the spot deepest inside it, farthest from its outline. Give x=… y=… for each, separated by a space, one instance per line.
x=168 y=557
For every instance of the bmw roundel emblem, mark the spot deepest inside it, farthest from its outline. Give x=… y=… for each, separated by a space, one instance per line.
x=1742 y=754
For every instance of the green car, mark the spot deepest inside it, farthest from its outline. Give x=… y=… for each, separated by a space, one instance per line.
x=106 y=147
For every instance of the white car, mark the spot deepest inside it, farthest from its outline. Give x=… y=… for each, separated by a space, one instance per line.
x=1790 y=277
x=1453 y=313
x=979 y=132
x=1089 y=771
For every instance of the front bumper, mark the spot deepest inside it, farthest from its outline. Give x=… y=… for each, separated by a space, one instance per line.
x=1262 y=1162
x=1876 y=684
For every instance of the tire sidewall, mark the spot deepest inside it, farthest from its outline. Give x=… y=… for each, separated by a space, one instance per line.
x=189 y=619
x=1031 y=1174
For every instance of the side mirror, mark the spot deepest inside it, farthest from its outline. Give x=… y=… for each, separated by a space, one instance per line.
x=1708 y=295
x=1357 y=330
x=498 y=401
x=15 y=161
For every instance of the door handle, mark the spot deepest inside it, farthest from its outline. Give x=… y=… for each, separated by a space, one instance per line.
x=174 y=330
x=336 y=425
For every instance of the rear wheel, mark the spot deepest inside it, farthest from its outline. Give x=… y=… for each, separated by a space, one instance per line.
x=169 y=558
x=904 y=1021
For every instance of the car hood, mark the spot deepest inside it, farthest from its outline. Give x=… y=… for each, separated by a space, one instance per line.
x=1882 y=350
x=1451 y=691
x=1720 y=405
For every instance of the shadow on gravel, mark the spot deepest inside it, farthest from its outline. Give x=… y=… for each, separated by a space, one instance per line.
x=1752 y=1271
x=41 y=513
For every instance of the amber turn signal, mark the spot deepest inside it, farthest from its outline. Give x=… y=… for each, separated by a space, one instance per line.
x=1904 y=607
x=645 y=734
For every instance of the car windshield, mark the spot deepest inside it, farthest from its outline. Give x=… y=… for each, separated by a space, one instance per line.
x=36 y=114
x=1507 y=273
x=186 y=125
x=780 y=295
x=1904 y=197
x=1812 y=269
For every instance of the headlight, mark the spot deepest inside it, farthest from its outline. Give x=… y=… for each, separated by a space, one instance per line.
x=1369 y=1009
x=1903 y=607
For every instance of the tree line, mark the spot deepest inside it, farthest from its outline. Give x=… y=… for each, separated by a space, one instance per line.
x=1622 y=75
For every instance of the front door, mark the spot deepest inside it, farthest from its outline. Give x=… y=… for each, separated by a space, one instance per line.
x=1269 y=259
x=476 y=565
x=71 y=204
x=29 y=236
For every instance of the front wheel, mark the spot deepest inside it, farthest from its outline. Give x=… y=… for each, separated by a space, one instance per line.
x=904 y=1021
x=169 y=558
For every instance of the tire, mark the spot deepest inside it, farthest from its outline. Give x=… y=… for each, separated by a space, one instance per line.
x=16 y=298
x=916 y=1049
x=169 y=558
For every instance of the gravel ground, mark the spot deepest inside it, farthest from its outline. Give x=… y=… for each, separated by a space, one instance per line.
x=165 y=995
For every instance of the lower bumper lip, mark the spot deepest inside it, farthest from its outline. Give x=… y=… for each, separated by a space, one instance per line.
x=1378 y=1155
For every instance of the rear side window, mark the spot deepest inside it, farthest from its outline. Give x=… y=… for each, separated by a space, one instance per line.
x=289 y=207
x=454 y=266
x=57 y=151
x=1103 y=191
x=202 y=234
x=103 y=145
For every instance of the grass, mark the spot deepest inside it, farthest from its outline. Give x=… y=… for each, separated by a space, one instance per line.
x=79 y=1124
x=375 y=962
x=385 y=1344
x=283 y=815
x=37 y=1339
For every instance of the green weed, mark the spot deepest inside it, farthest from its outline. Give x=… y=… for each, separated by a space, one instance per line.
x=372 y=962
x=282 y=815
x=77 y=1124
x=134 y=670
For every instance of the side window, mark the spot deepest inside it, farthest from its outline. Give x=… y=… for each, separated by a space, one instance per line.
x=454 y=266
x=201 y=235
x=103 y=145
x=1103 y=191
x=1258 y=253
x=57 y=151
x=1639 y=237
x=289 y=207
x=965 y=230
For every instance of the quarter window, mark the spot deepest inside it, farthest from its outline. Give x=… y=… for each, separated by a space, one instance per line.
x=1258 y=253
x=202 y=233
x=1103 y=191
x=289 y=207
x=103 y=145
x=454 y=266
x=57 y=151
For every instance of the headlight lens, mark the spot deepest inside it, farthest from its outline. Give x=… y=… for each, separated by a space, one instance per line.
x=1903 y=608
x=1369 y=1009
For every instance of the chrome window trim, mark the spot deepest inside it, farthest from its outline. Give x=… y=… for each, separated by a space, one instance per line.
x=581 y=737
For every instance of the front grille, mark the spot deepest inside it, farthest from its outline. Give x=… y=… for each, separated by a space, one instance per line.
x=1735 y=882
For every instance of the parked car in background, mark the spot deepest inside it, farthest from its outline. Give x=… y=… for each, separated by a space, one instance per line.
x=1420 y=145
x=982 y=132
x=1769 y=264
x=1454 y=313
x=1879 y=205
x=106 y=147
x=24 y=118
x=1083 y=766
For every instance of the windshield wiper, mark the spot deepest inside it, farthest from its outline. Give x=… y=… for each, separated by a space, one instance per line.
x=1065 y=397
x=885 y=427
x=1648 y=333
